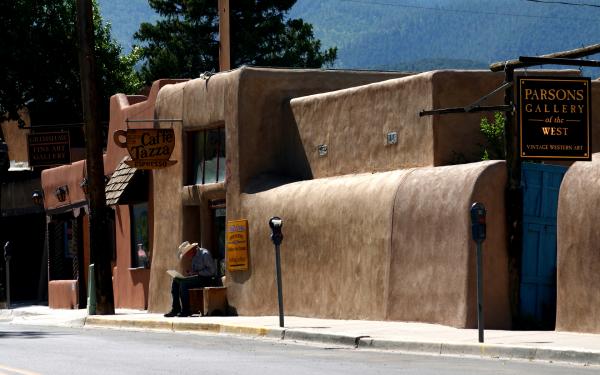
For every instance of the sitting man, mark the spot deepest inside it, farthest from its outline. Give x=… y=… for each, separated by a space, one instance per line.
x=203 y=274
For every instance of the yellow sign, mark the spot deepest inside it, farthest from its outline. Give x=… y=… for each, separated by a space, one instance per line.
x=148 y=148
x=237 y=245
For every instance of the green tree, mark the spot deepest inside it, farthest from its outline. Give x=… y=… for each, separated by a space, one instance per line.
x=39 y=66
x=184 y=43
x=494 y=134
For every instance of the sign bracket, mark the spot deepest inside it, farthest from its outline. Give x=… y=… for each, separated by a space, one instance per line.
x=475 y=106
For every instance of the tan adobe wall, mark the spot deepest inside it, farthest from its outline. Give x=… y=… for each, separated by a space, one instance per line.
x=383 y=246
x=578 y=258
x=432 y=267
x=354 y=124
x=261 y=137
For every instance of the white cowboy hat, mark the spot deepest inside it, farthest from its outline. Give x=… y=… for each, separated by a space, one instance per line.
x=185 y=247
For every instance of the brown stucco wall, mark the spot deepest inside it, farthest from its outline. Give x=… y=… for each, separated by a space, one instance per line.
x=354 y=123
x=370 y=246
x=250 y=102
x=578 y=259
x=432 y=265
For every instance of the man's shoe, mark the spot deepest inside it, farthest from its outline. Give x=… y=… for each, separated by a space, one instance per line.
x=183 y=314
x=171 y=314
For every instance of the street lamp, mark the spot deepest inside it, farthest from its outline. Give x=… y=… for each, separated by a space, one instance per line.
x=61 y=193
x=37 y=197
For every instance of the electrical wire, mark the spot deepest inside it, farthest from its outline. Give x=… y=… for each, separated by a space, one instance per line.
x=465 y=11
x=564 y=3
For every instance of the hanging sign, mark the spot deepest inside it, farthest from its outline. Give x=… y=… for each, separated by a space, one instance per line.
x=237 y=245
x=554 y=117
x=148 y=148
x=48 y=149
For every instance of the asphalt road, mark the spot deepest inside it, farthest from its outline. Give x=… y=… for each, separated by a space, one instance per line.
x=31 y=350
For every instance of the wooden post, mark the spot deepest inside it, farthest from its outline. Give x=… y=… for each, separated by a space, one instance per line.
x=224 y=45
x=514 y=198
x=100 y=251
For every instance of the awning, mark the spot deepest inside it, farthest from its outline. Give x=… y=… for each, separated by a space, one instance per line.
x=119 y=181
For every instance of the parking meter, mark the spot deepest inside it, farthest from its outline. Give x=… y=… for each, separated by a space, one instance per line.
x=276 y=236
x=478 y=221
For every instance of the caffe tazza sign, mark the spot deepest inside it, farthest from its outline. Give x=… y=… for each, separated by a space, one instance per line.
x=554 y=117
x=148 y=148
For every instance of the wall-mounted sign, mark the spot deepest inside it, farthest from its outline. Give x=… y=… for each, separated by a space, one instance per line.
x=148 y=148
x=554 y=117
x=48 y=149
x=237 y=245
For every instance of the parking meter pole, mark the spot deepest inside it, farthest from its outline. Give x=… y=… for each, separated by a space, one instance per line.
x=478 y=230
x=277 y=236
x=8 y=283
x=480 y=323
x=279 y=287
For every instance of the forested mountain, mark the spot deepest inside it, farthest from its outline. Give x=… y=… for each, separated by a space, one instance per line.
x=421 y=34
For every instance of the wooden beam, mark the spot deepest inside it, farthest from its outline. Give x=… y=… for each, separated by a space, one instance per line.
x=574 y=53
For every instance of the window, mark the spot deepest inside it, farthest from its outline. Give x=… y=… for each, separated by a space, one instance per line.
x=207 y=155
x=140 y=252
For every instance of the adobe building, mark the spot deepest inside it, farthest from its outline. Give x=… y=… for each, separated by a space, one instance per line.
x=374 y=219
x=374 y=198
x=130 y=219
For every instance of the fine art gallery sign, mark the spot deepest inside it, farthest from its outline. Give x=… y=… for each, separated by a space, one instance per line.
x=48 y=149
x=554 y=115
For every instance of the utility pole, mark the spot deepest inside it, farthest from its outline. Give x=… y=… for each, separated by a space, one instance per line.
x=99 y=249
x=224 y=39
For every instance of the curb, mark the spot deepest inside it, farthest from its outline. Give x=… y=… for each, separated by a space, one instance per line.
x=485 y=351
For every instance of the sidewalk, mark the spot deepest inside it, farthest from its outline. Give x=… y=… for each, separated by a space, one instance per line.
x=420 y=338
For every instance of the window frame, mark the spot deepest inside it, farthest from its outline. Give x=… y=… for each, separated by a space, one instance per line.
x=196 y=160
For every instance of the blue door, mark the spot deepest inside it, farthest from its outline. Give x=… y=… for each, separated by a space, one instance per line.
x=541 y=184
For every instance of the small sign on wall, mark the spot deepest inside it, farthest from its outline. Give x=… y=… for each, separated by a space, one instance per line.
x=554 y=117
x=49 y=149
x=237 y=245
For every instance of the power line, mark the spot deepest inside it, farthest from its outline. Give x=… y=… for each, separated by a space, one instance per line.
x=564 y=3
x=449 y=10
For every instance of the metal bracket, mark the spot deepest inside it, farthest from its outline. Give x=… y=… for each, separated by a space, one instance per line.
x=474 y=107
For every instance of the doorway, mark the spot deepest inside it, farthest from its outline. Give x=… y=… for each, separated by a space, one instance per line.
x=541 y=185
x=218 y=216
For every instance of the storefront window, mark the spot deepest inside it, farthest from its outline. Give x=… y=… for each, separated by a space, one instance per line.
x=140 y=257
x=207 y=154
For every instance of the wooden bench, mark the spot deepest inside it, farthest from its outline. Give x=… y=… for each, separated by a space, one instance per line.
x=208 y=301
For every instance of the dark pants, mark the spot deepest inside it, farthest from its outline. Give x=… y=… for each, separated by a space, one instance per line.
x=180 y=289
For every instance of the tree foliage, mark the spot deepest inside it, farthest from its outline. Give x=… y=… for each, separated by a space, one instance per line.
x=494 y=134
x=39 y=66
x=184 y=42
